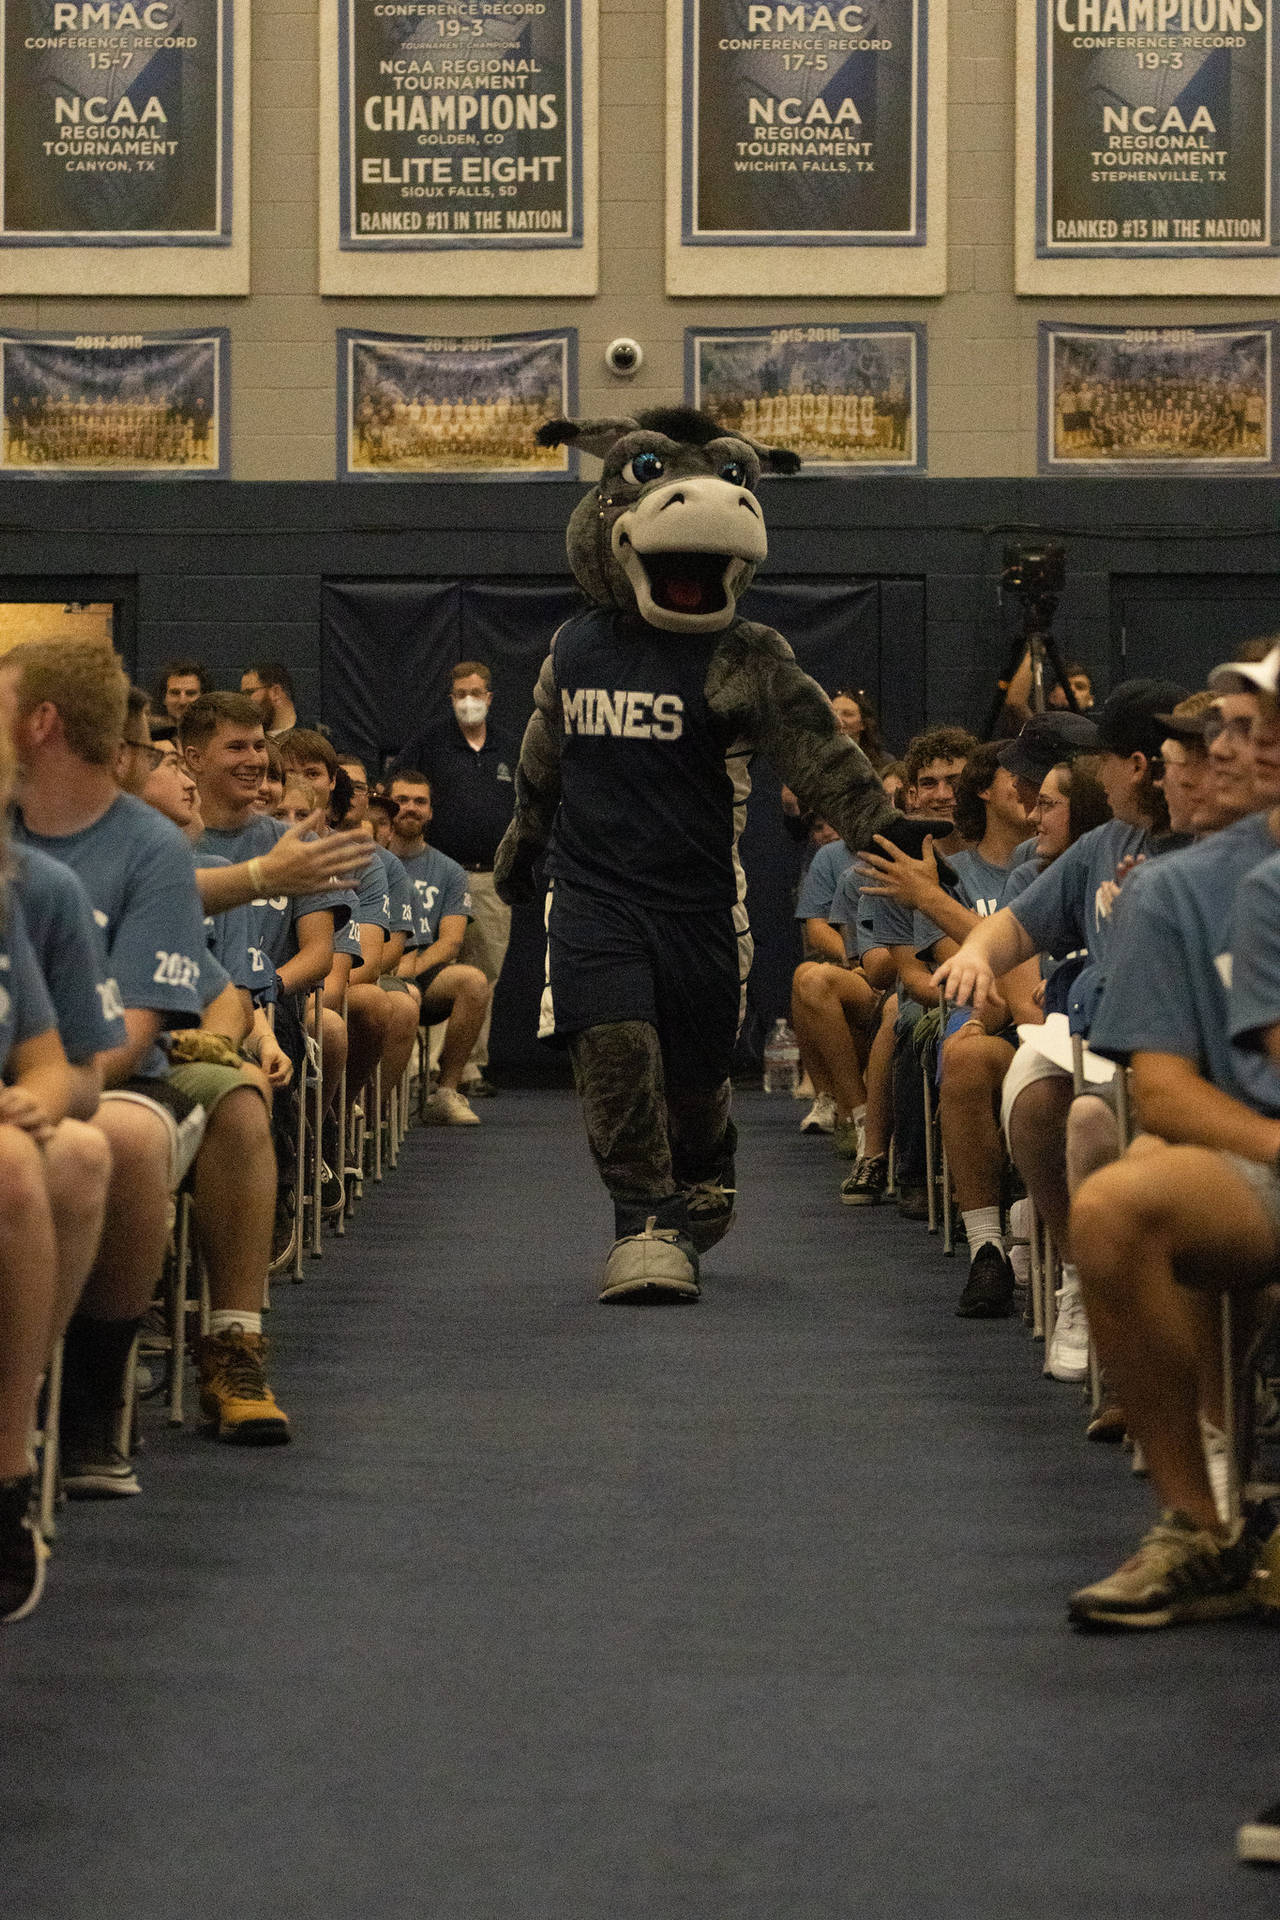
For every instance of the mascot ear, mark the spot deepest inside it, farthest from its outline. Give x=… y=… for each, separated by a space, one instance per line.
x=588 y=436
x=774 y=459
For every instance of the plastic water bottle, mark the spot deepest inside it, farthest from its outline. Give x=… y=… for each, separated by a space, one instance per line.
x=781 y=1060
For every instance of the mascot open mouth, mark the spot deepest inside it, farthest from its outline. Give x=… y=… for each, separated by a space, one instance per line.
x=689 y=583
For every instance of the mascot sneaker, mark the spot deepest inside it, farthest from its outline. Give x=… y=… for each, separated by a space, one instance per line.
x=650 y=1266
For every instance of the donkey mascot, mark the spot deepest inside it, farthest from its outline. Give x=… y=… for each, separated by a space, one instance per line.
x=633 y=780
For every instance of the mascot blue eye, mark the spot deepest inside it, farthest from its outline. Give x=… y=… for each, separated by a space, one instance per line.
x=735 y=473
x=643 y=467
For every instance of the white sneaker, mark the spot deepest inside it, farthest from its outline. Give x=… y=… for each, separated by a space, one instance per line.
x=1068 y=1355
x=1020 y=1218
x=1218 y=1462
x=1020 y=1261
x=446 y=1108
x=821 y=1117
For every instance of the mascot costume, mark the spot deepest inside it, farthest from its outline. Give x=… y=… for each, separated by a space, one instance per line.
x=633 y=780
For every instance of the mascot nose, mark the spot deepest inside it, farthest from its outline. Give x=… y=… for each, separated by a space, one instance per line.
x=704 y=514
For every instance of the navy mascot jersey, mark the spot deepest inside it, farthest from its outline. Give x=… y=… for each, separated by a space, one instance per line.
x=646 y=800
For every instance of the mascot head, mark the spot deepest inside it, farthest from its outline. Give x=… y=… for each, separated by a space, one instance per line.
x=673 y=530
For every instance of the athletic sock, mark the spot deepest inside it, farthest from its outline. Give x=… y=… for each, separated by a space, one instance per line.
x=982 y=1224
x=222 y=1319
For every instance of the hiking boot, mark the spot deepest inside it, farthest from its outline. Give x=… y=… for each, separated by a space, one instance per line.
x=1068 y=1355
x=23 y=1553
x=913 y=1203
x=651 y=1266
x=448 y=1108
x=821 y=1117
x=847 y=1139
x=1180 y=1572
x=234 y=1393
x=988 y=1292
x=865 y=1185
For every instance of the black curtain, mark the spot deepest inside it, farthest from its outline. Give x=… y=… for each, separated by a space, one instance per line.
x=387 y=650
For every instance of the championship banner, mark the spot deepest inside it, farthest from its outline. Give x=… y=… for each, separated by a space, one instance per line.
x=454 y=409
x=814 y=127
x=129 y=405
x=123 y=160
x=840 y=397
x=1147 y=147
x=454 y=137
x=1167 y=399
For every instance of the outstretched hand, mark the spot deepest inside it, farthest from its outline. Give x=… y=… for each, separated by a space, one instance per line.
x=910 y=831
x=300 y=863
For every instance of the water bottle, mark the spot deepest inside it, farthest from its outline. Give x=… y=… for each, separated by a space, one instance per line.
x=781 y=1060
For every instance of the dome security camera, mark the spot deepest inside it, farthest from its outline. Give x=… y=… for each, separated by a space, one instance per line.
x=624 y=358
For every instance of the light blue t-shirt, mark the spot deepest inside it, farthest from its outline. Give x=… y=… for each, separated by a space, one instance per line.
x=439 y=889
x=25 y=1006
x=850 y=910
x=1170 y=955
x=399 y=892
x=818 y=888
x=232 y=941
x=979 y=885
x=138 y=873
x=1063 y=909
x=70 y=954
x=1254 y=998
x=369 y=904
x=276 y=919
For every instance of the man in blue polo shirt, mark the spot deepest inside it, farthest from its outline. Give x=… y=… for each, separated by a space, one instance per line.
x=451 y=990
x=471 y=767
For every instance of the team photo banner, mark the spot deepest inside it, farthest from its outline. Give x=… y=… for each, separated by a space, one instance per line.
x=414 y=407
x=840 y=397
x=1154 y=145
x=118 y=136
x=460 y=130
x=128 y=406
x=1162 y=399
x=810 y=127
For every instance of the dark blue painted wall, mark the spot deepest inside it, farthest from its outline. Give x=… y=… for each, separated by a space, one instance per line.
x=233 y=571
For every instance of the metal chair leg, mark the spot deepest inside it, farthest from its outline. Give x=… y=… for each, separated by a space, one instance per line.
x=376 y=1097
x=1037 y=1278
x=49 y=1442
x=317 y=1128
x=930 y=1171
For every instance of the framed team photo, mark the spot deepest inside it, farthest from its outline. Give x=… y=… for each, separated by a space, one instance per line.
x=1160 y=398
x=413 y=407
x=132 y=406
x=841 y=397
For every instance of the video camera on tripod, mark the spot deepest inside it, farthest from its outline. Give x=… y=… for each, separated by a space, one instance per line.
x=1035 y=576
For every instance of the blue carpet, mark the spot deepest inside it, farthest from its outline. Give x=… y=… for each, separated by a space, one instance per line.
x=558 y=1612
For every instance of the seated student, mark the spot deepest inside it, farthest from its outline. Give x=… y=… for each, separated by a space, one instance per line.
x=450 y=991
x=1159 y=1234
x=380 y=815
x=271 y=791
x=1067 y=910
x=68 y=701
x=831 y=1007
x=382 y=1028
x=976 y=1054
x=54 y=1169
x=934 y=762
x=179 y=684
x=850 y=912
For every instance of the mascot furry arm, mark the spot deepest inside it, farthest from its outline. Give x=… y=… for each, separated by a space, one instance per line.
x=672 y=535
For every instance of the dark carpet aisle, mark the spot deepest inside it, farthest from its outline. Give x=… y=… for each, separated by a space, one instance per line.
x=557 y=1612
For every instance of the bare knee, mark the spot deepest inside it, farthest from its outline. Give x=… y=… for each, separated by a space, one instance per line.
x=139 y=1144
x=21 y=1174
x=1093 y=1138
x=78 y=1167
x=1113 y=1216
x=239 y=1120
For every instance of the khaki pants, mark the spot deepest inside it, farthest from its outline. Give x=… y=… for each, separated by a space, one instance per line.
x=485 y=946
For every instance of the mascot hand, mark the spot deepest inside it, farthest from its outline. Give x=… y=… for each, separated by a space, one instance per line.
x=909 y=833
x=513 y=871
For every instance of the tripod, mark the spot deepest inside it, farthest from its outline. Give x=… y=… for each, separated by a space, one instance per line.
x=1037 y=578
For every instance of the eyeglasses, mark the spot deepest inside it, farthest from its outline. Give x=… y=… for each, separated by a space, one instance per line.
x=151 y=756
x=1047 y=806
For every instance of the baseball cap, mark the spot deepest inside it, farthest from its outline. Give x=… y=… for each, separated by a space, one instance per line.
x=1130 y=721
x=1248 y=676
x=1045 y=741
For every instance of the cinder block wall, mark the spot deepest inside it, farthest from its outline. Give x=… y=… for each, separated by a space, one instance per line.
x=982 y=341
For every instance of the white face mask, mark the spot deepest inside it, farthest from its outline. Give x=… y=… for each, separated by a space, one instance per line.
x=471 y=709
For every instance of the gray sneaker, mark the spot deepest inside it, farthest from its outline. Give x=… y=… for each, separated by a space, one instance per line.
x=650 y=1266
x=1180 y=1572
